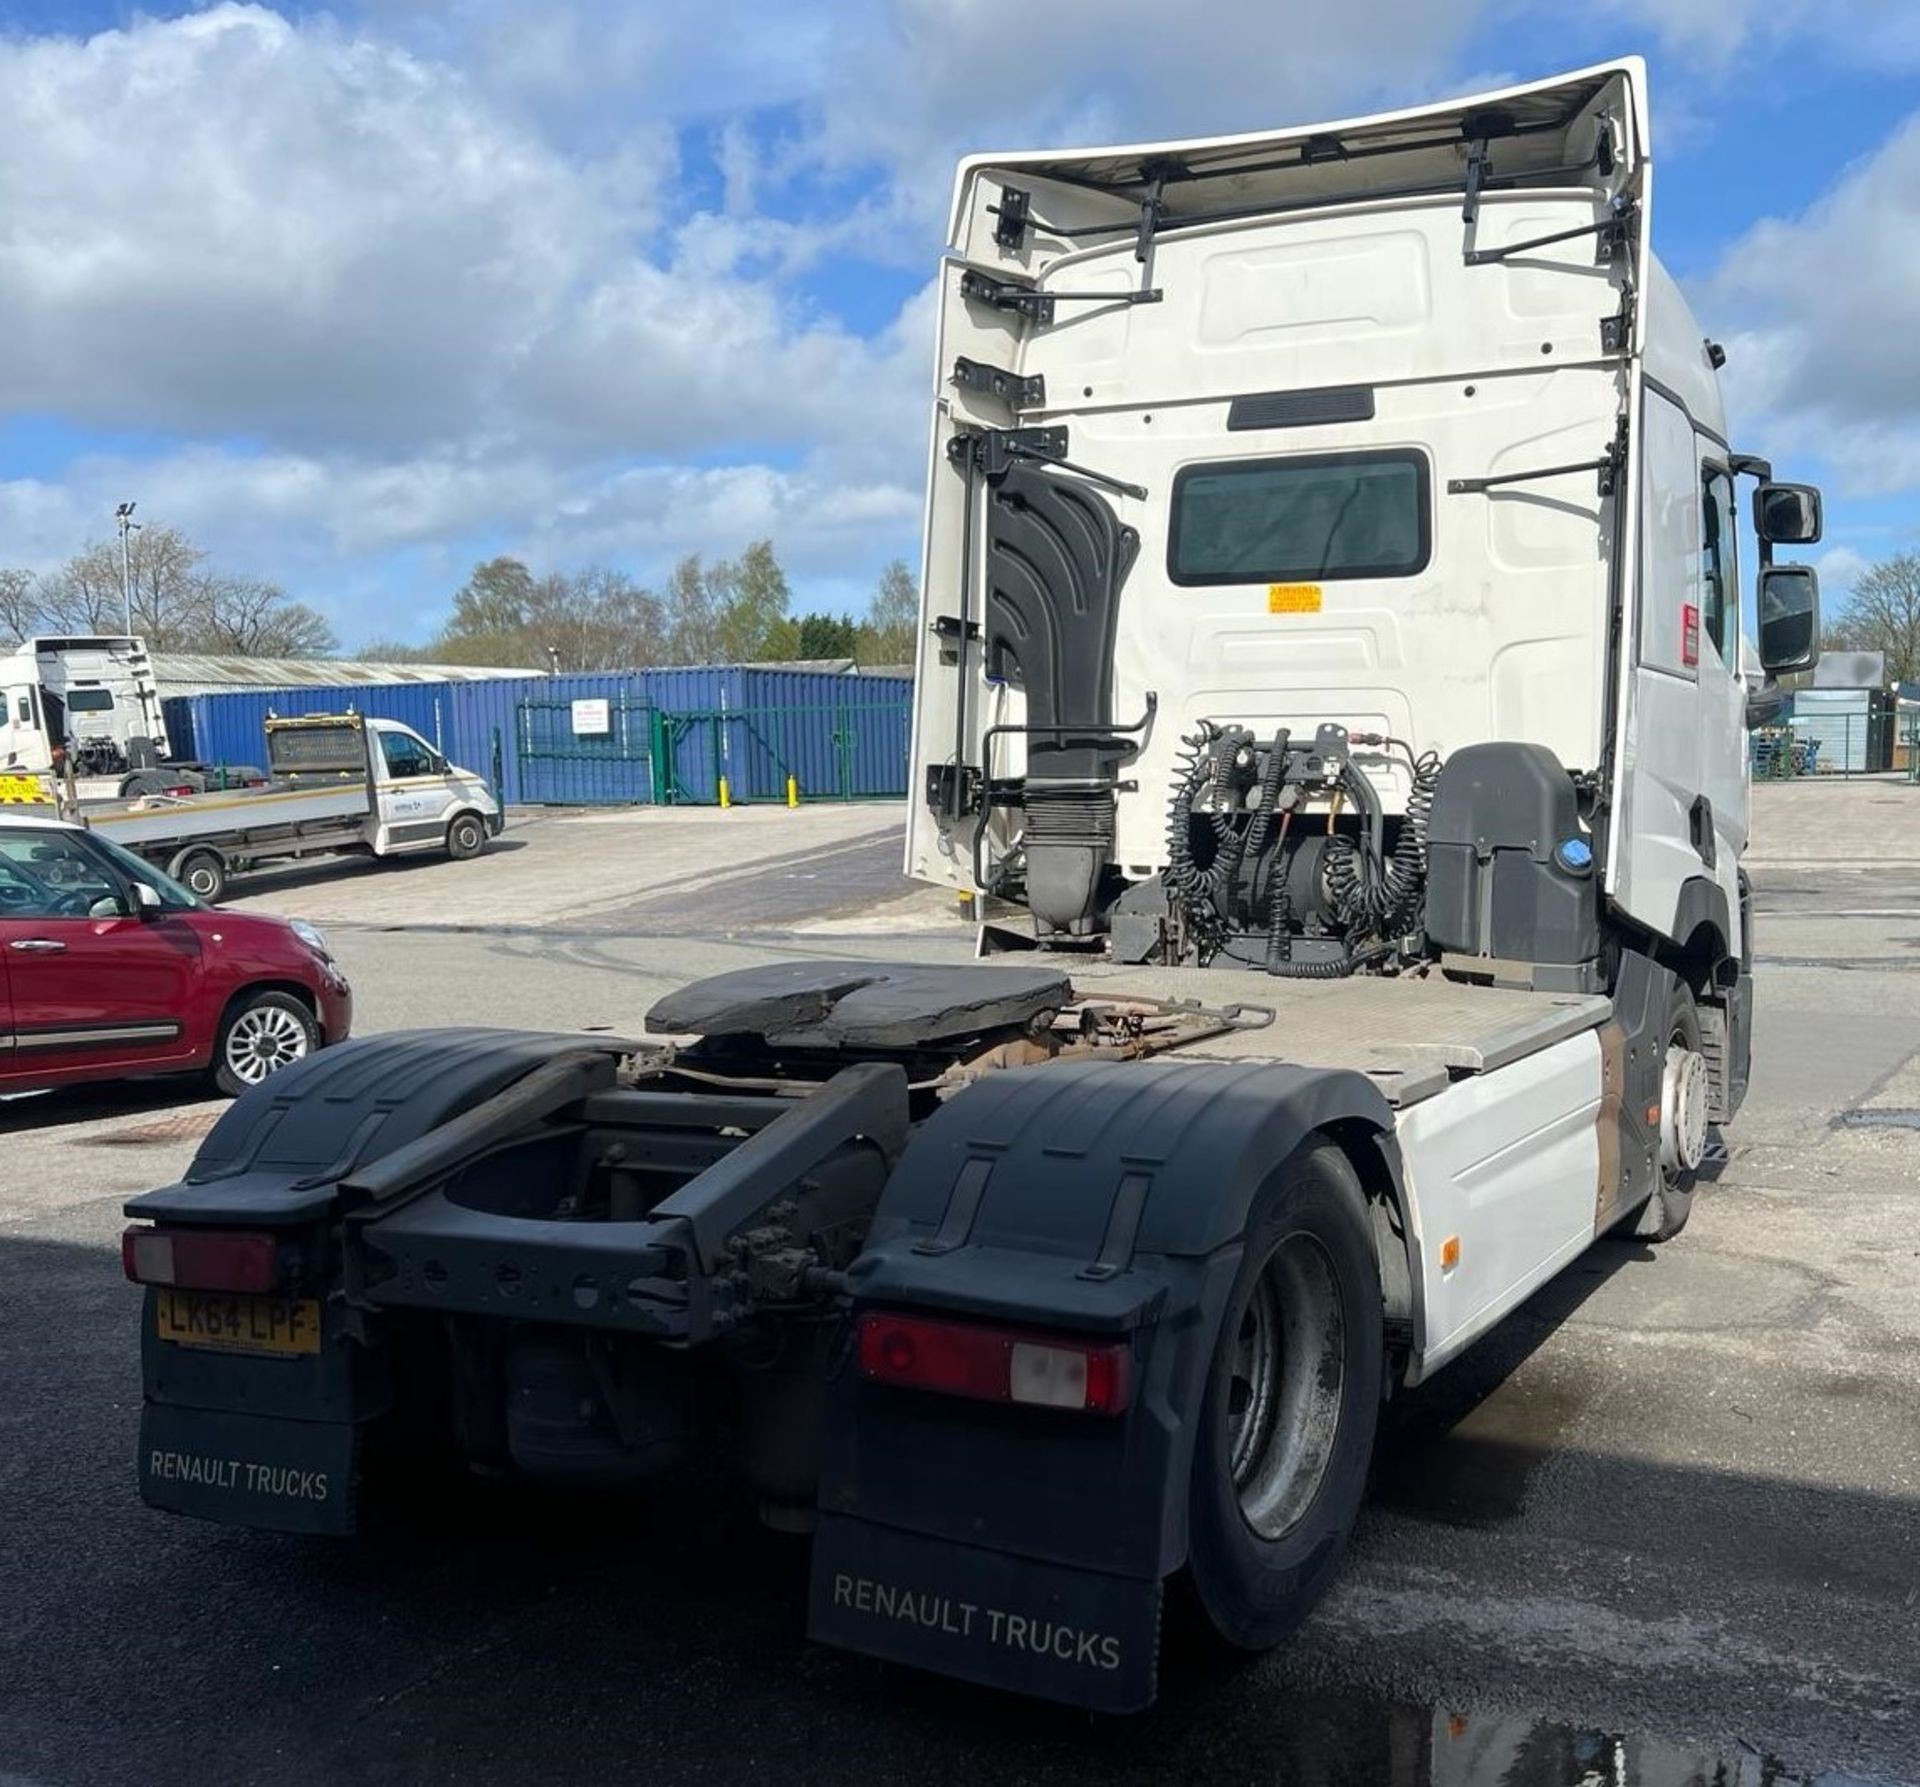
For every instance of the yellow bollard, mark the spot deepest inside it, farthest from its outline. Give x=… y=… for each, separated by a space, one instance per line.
x=793 y=791
x=726 y=795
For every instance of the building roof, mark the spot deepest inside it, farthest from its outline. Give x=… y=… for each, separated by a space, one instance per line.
x=195 y=673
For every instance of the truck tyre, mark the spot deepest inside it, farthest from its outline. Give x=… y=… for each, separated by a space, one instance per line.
x=1683 y=1096
x=202 y=872
x=144 y=782
x=261 y=1033
x=466 y=837
x=1286 y=1429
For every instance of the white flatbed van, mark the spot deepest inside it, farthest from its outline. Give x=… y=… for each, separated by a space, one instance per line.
x=338 y=784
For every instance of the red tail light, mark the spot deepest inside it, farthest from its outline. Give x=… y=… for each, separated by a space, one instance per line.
x=996 y=1364
x=194 y=1260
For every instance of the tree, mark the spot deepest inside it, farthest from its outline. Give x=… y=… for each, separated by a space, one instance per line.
x=1883 y=615
x=83 y=596
x=596 y=619
x=86 y=594
x=692 y=611
x=255 y=619
x=19 y=606
x=825 y=636
x=893 y=621
x=755 y=604
x=490 y=613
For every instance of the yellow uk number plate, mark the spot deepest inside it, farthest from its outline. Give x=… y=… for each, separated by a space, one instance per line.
x=282 y=1325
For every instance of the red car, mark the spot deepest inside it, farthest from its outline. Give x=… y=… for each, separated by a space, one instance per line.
x=109 y=969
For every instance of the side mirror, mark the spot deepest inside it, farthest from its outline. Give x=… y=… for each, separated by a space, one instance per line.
x=146 y=901
x=1789 y=603
x=1787 y=514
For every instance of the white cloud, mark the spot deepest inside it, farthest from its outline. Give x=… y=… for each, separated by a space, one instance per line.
x=1720 y=40
x=439 y=282
x=1839 y=567
x=1825 y=358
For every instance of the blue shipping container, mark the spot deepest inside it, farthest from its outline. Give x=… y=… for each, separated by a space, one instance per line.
x=593 y=739
x=232 y=728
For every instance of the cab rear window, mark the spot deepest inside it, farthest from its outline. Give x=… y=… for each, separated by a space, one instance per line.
x=1311 y=516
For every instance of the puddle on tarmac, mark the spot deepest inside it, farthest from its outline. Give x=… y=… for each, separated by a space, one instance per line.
x=1334 y=1741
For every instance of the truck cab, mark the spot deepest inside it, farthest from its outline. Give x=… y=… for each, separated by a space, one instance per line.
x=91 y=698
x=1391 y=439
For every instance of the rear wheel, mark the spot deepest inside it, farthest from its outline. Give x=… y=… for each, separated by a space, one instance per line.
x=1685 y=1098
x=201 y=872
x=1293 y=1399
x=466 y=837
x=263 y=1033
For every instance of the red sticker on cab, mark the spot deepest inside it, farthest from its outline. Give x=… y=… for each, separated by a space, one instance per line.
x=1689 y=635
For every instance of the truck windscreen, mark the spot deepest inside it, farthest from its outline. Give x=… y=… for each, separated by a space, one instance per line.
x=1326 y=515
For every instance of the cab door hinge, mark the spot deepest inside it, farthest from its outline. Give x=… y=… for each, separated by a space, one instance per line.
x=1013 y=389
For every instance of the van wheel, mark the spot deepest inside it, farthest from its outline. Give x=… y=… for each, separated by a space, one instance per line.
x=1286 y=1429
x=263 y=1033
x=1685 y=1094
x=202 y=873
x=466 y=837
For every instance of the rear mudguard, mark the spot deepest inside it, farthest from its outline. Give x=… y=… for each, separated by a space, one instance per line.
x=1026 y=1548
x=276 y=1442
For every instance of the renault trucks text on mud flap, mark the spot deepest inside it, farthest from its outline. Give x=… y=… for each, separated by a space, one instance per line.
x=1329 y=681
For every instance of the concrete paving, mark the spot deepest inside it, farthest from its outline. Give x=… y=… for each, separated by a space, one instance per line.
x=1662 y=1526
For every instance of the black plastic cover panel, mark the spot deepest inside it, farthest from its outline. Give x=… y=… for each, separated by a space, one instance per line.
x=885 y=1005
x=1301 y=409
x=1057 y=556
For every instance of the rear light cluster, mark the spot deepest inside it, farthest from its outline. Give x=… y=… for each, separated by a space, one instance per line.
x=196 y=1260
x=996 y=1364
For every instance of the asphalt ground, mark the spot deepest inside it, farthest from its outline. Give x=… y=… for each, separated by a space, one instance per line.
x=1662 y=1526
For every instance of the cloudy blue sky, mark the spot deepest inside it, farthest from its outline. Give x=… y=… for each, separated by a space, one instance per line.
x=358 y=296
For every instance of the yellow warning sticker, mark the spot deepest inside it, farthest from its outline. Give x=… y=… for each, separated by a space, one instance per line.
x=23 y=790
x=1293 y=598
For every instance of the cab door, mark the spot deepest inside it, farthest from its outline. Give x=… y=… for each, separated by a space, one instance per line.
x=94 y=987
x=413 y=790
x=1682 y=815
x=1724 y=784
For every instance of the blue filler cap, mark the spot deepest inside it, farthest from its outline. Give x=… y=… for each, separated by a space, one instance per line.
x=1575 y=855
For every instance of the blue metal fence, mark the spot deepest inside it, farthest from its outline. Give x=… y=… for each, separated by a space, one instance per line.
x=664 y=736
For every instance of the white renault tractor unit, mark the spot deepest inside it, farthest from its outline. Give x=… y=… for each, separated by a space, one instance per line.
x=1330 y=682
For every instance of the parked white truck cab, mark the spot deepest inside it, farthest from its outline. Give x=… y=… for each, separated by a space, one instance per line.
x=93 y=697
x=1332 y=616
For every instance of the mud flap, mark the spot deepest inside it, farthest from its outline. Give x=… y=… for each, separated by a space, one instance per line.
x=249 y=1470
x=1085 y=1637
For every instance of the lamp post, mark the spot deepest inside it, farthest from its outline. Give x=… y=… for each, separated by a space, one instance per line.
x=124 y=515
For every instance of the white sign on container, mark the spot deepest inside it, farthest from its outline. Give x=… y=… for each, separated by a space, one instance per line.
x=591 y=719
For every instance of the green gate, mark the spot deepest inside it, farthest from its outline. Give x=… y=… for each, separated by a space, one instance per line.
x=598 y=752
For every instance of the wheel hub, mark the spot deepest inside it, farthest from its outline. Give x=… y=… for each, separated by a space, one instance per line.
x=1684 y=1096
x=1284 y=1396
